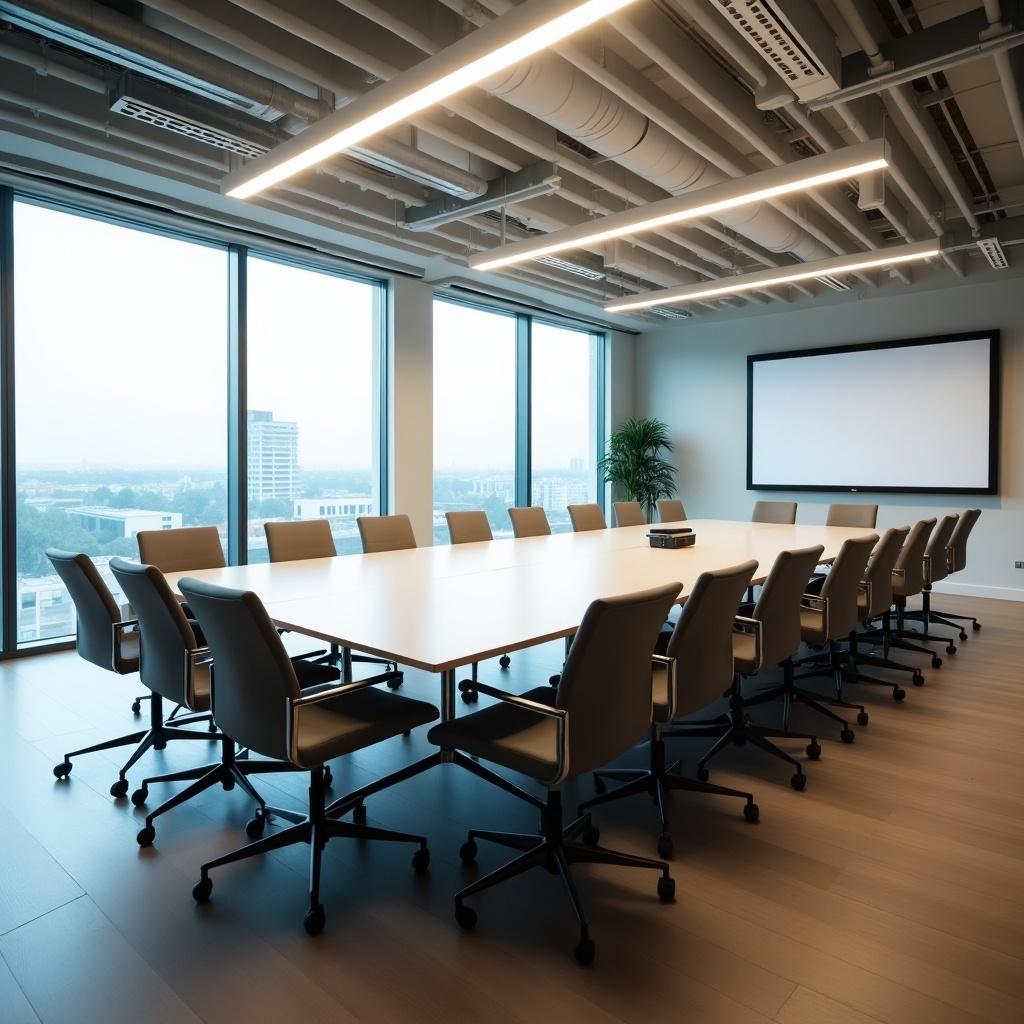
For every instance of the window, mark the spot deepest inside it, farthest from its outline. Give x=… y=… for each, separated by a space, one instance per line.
x=313 y=399
x=121 y=363
x=474 y=413
x=563 y=413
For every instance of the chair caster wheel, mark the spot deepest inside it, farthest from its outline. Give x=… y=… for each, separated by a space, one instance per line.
x=140 y=796
x=899 y=694
x=119 y=789
x=591 y=836
x=62 y=770
x=421 y=859
x=963 y=636
x=470 y=696
x=814 y=750
x=664 y=849
x=918 y=679
x=328 y=776
x=584 y=951
x=394 y=684
x=201 y=890
x=862 y=718
x=467 y=851
x=136 y=707
x=703 y=774
x=554 y=680
x=228 y=784
x=847 y=735
x=751 y=812
x=936 y=661
x=314 y=920
x=255 y=827
x=211 y=726
x=599 y=784
x=975 y=626
x=359 y=814
x=799 y=782
x=666 y=889
x=146 y=836
x=504 y=661
x=465 y=917
x=951 y=648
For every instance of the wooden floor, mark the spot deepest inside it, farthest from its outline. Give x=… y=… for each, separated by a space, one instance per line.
x=891 y=890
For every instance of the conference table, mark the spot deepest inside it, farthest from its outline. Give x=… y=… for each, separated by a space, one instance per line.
x=444 y=607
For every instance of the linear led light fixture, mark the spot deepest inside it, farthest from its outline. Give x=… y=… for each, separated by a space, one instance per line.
x=850 y=162
x=774 y=275
x=513 y=37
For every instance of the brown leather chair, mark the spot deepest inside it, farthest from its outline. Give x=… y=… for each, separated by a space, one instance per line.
x=783 y=512
x=937 y=560
x=257 y=701
x=183 y=550
x=700 y=668
x=628 y=513
x=299 y=539
x=385 y=533
x=529 y=522
x=852 y=515
x=586 y=517
x=957 y=561
x=601 y=708
x=670 y=510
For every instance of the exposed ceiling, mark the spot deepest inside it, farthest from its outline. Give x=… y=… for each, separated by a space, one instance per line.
x=666 y=97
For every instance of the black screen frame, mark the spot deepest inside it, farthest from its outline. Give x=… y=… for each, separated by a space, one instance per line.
x=993 y=337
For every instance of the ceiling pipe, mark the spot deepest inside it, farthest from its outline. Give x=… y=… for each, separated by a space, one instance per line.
x=1008 y=77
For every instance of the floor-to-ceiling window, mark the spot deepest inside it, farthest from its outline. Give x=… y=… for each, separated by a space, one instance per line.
x=120 y=371
x=564 y=411
x=314 y=400
x=474 y=413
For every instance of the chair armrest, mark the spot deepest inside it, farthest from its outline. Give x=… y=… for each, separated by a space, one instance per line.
x=819 y=603
x=669 y=665
x=122 y=627
x=328 y=691
x=745 y=624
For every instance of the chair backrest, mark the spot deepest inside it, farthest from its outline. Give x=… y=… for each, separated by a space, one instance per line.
x=910 y=563
x=879 y=571
x=95 y=609
x=774 y=512
x=778 y=606
x=937 y=553
x=701 y=642
x=529 y=522
x=188 y=548
x=606 y=680
x=254 y=678
x=385 y=533
x=958 y=542
x=586 y=517
x=852 y=515
x=468 y=527
x=842 y=584
x=628 y=513
x=292 y=542
x=167 y=638
x=670 y=510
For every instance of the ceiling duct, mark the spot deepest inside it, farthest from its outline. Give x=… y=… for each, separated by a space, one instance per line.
x=793 y=37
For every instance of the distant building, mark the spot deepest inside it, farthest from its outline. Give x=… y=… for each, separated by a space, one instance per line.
x=111 y=523
x=554 y=493
x=334 y=507
x=273 y=457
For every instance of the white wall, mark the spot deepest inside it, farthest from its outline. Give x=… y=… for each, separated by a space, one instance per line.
x=693 y=377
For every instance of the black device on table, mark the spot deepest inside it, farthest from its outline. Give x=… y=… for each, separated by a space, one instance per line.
x=671 y=537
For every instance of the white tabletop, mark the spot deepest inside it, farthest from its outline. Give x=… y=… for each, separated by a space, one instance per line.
x=442 y=607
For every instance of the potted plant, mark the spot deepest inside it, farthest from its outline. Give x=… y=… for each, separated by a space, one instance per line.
x=636 y=462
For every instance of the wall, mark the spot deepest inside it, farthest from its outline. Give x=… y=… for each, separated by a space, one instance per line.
x=694 y=378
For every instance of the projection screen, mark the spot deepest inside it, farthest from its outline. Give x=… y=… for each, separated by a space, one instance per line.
x=919 y=416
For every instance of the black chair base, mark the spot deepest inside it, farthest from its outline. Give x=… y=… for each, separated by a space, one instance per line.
x=342 y=658
x=556 y=848
x=657 y=782
x=314 y=829
x=830 y=667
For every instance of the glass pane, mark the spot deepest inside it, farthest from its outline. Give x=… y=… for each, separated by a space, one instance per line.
x=563 y=367
x=121 y=391
x=313 y=400
x=474 y=414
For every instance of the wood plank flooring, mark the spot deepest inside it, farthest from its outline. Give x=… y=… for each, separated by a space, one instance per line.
x=892 y=890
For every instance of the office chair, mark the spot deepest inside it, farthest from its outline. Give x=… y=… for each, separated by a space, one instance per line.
x=106 y=640
x=783 y=512
x=529 y=522
x=628 y=513
x=670 y=510
x=312 y=538
x=385 y=533
x=852 y=515
x=699 y=650
x=586 y=517
x=957 y=563
x=936 y=569
x=769 y=636
x=471 y=528
x=826 y=617
x=601 y=708
x=257 y=701
x=185 y=549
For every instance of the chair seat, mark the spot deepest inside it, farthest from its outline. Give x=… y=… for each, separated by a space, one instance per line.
x=356 y=720
x=507 y=735
x=812 y=626
x=744 y=653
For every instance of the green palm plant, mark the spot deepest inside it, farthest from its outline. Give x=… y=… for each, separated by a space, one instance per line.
x=636 y=462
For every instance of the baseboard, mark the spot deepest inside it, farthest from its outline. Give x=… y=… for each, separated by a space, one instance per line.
x=974 y=590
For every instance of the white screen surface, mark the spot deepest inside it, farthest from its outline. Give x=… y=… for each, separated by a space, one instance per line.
x=912 y=417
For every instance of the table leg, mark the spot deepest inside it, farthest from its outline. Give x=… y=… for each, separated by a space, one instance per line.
x=448 y=688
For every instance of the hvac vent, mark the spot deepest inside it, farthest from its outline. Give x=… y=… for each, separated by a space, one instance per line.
x=834 y=283
x=576 y=269
x=668 y=313
x=993 y=252
x=793 y=37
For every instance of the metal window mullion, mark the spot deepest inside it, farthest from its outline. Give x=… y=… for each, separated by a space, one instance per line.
x=524 y=427
x=600 y=419
x=8 y=468
x=238 y=466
